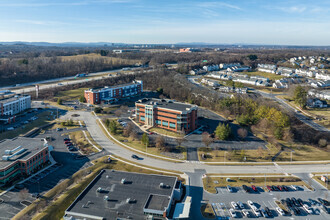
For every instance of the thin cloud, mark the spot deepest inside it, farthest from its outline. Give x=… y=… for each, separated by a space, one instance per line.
x=39 y=22
x=211 y=5
x=78 y=3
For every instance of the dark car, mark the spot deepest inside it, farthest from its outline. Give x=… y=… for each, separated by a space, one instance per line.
x=269 y=188
x=326 y=209
x=274 y=188
x=300 y=202
x=285 y=188
x=294 y=201
x=66 y=139
x=324 y=202
x=59 y=129
x=246 y=188
x=269 y=212
x=19 y=186
x=280 y=188
x=254 y=188
x=135 y=156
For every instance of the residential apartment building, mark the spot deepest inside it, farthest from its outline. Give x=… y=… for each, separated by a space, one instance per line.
x=167 y=114
x=267 y=68
x=12 y=103
x=112 y=93
x=21 y=157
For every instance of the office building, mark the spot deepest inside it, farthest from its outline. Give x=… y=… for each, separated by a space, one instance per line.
x=21 y=157
x=167 y=114
x=110 y=94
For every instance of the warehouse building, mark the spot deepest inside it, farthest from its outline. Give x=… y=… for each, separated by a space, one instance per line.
x=21 y=157
x=110 y=94
x=167 y=114
x=124 y=195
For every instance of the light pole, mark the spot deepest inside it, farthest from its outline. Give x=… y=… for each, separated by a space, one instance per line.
x=291 y=156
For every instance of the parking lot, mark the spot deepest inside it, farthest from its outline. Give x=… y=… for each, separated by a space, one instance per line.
x=67 y=163
x=221 y=203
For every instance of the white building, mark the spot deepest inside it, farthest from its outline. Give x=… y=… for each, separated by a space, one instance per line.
x=267 y=68
x=321 y=94
x=305 y=72
x=210 y=82
x=12 y=104
x=211 y=68
x=229 y=65
x=285 y=71
x=320 y=84
x=316 y=103
x=323 y=76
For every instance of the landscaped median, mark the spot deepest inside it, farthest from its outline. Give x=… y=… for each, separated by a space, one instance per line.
x=84 y=142
x=318 y=178
x=136 y=146
x=53 y=204
x=212 y=181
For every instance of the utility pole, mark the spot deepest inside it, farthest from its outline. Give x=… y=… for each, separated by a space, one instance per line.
x=291 y=156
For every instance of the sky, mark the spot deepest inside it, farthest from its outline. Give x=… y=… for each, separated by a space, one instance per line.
x=274 y=22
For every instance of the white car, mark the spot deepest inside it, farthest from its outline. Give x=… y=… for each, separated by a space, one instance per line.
x=232 y=213
x=245 y=213
x=294 y=187
x=234 y=205
x=308 y=209
x=240 y=204
x=230 y=189
x=280 y=211
x=257 y=212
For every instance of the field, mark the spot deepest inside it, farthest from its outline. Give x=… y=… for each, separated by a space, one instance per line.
x=43 y=119
x=166 y=132
x=71 y=94
x=54 y=203
x=210 y=183
x=207 y=211
x=136 y=144
x=270 y=76
x=317 y=177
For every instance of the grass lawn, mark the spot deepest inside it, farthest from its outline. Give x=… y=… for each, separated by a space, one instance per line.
x=267 y=75
x=166 y=132
x=60 y=125
x=318 y=179
x=82 y=143
x=136 y=144
x=57 y=200
x=47 y=102
x=210 y=183
x=207 y=211
x=212 y=155
x=70 y=94
x=43 y=119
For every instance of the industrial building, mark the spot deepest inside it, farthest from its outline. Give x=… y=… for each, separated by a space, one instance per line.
x=21 y=157
x=110 y=94
x=167 y=114
x=124 y=195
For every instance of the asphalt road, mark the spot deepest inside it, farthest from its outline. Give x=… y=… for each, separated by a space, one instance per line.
x=98 y=135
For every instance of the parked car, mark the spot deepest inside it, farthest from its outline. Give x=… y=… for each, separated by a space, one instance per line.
x=274 y=188
x=285 y=188
x=232 y=213
x=280 y=211
x=234 y=205
x=257 y=212
x=246 y=188
x=269 y=188
x=300 y=202
x=308 y=209
x=229 y=188
x=246 y=213
x=240 y=204
x=254 y=188
x=323 y=201
x=294 y=187
x=59 y=129
x=19 y=186
x=280 y=188
x=264 y=213
x=66 y=139
x=269 y=212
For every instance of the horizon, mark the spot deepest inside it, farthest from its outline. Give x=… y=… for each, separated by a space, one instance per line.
x=251 y=22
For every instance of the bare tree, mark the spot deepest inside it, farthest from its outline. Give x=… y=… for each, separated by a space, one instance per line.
x=23 y=194
x=207 y=140
x=242 y=133
x=128 y=129
x=133 y=135
x=260 y=152
x=180 y=140
x=160 y=142
x=118 y=113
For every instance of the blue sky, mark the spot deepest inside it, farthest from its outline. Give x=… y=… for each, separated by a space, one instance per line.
x=288 y=22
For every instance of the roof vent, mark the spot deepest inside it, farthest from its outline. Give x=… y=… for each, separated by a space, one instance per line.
x=106 y=198
x=123 y=181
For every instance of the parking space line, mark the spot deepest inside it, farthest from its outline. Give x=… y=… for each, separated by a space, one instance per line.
x=16 y=208
x=6 y=195
x=272 y=205
x=12 y=213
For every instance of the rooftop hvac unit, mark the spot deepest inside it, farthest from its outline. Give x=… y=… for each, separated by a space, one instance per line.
x=161 y=185
x=99 y=190
x=106 y=198
x=123 y=181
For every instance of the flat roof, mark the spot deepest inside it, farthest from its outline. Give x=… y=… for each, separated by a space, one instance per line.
x=91 y=204
x=168 y=104
x=114 y=87
x=14 y=98
x=157 y=202
x=31 y=146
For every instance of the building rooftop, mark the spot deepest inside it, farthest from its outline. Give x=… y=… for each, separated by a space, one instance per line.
x=168 y=104
x=157 y=202
x=20 y=148
x=13 y=98
x=111 y=202
x=114 y=87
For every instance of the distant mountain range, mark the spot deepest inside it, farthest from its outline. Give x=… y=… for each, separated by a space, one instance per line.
x=181 y=44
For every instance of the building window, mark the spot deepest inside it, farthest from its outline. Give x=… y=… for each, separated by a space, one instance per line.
x=158 y=122
x=172 y=125
x=142 y=119
x=165 y=123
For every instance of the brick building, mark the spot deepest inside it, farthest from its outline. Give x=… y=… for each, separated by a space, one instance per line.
x=167 y=114
x=110 y=94
x=21 y=157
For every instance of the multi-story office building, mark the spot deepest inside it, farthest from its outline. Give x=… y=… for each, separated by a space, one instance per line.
x=113 y=93
x=11 y=103
x=22 y=157
x=167 y=114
